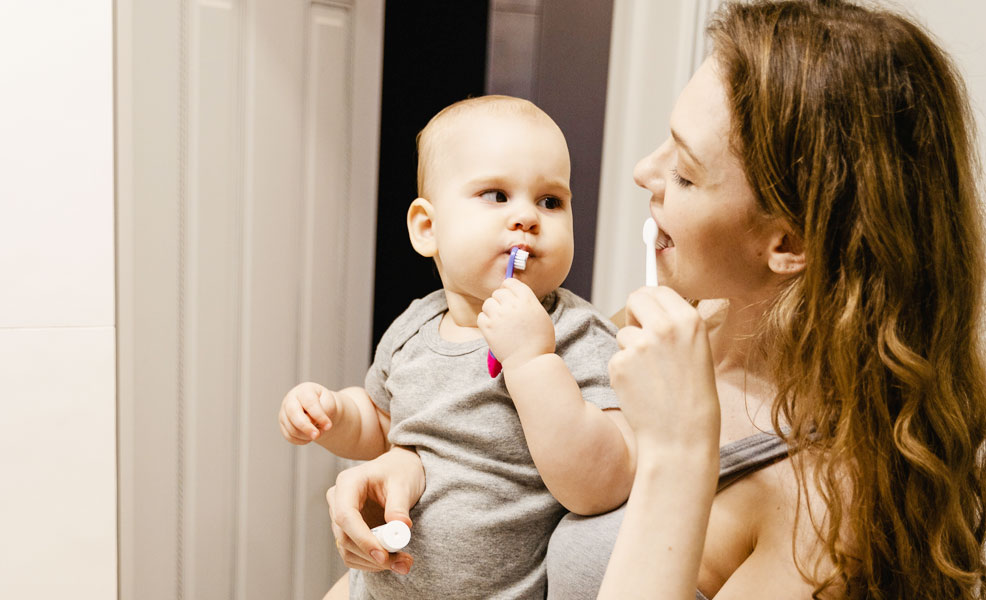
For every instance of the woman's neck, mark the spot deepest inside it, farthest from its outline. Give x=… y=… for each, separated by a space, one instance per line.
x=733 y=336
x=745 y=391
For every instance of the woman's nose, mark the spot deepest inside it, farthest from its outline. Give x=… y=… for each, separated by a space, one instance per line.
x=649 y=171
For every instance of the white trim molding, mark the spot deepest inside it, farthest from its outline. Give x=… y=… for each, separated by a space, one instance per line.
x=656 y=46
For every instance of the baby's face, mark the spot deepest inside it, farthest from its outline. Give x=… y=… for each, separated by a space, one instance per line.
x=498 y=181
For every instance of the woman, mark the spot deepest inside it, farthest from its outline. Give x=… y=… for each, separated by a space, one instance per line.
x=820 y=177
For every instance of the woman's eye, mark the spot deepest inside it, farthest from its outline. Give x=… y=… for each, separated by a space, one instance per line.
x=678 y=179
x=550 y=203
x=493 y=196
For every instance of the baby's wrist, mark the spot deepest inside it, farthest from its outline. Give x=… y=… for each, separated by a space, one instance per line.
x=519 y=362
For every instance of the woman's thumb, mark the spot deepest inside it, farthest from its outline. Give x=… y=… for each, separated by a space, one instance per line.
x=397 y=509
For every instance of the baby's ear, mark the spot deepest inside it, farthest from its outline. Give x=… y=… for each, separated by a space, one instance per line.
x=421 y=227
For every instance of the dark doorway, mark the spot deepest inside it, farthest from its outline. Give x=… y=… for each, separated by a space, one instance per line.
x=434 y=55
x=552 y=52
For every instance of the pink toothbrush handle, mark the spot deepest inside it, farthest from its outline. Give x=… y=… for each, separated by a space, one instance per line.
x=493 y=364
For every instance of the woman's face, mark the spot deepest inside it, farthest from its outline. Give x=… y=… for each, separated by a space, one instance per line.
x=713 y=241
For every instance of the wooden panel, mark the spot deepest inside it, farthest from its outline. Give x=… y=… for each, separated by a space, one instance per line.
x=272 y=270
x=329 y=115
x=247 y=191
x=364 y=144
x=148 y=58
x=211 y=302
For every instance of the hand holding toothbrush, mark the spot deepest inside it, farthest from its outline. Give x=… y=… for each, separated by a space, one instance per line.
x=515 y=324
x=516 y=260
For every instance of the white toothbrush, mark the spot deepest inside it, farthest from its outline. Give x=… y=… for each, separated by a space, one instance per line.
x=650 y=259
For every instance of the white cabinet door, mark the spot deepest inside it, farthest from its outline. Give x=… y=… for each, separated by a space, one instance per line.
x=246 y=164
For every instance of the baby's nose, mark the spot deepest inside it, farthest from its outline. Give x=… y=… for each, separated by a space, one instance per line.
x=525 y=219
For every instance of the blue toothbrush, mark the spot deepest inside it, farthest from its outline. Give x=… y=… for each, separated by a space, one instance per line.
x=518 y=260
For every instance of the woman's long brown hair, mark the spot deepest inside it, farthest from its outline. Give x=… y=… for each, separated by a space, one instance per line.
x=853 y=125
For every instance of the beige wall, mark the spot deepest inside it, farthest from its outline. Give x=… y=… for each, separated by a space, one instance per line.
x=57 y=325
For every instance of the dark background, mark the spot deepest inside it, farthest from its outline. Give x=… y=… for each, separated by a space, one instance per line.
x=435 y=53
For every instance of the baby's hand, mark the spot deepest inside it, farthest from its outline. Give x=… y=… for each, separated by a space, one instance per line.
x=306 y=411
x=515 y=325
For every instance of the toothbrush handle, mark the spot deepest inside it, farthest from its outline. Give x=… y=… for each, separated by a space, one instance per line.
x=651 y=266
x=492 y=364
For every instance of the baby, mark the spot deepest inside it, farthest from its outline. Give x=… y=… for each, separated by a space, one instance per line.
x=504 y=456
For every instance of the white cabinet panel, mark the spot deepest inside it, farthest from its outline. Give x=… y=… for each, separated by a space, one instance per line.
x=248 y=151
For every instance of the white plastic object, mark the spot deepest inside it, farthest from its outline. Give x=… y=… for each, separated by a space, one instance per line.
x=520 y=260
x=650 y=259
x=392 y=536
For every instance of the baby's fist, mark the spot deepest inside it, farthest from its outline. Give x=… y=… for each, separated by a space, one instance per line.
x=306 y=411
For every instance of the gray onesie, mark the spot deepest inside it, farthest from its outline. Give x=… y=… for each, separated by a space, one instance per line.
x=481 y=528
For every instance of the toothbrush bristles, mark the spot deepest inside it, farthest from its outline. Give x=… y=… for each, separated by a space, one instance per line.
x=520 y=260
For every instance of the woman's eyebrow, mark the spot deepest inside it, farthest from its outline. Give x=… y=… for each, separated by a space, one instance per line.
x=687 y=149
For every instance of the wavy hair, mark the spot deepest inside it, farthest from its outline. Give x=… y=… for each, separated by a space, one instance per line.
x=853 y=126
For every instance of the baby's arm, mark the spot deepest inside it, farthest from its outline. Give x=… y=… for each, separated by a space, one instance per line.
x=346 y=422
x=585 y=455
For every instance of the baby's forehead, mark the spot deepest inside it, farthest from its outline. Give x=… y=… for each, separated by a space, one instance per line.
x=463 y=116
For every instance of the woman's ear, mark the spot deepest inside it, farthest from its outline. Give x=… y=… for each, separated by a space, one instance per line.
x=786 y=255
x=421 y=227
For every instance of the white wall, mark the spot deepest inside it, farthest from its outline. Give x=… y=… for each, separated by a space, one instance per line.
x=57 y=329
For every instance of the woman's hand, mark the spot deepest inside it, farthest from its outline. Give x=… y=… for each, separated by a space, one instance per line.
x=395 y=481
x=663 y=374
x=665 y=380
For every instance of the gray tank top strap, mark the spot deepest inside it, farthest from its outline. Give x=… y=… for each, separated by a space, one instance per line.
x=742 y=457
x=580 y=546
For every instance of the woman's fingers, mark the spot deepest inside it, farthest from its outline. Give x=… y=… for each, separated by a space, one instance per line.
x=391 y=484
x=345 y=498
x=662 y=312
x=367 y=555
x=663 y=373
x=345 y=546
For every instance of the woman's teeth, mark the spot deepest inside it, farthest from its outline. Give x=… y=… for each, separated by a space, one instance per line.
x=663 y=241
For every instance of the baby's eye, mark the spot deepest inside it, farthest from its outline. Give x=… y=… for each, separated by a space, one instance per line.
x=493 y=196
x=550 y=202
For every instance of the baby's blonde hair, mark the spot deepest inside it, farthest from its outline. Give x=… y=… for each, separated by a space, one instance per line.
x=429 y=137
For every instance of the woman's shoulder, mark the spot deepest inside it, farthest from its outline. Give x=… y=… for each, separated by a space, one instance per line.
x=773 y=547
